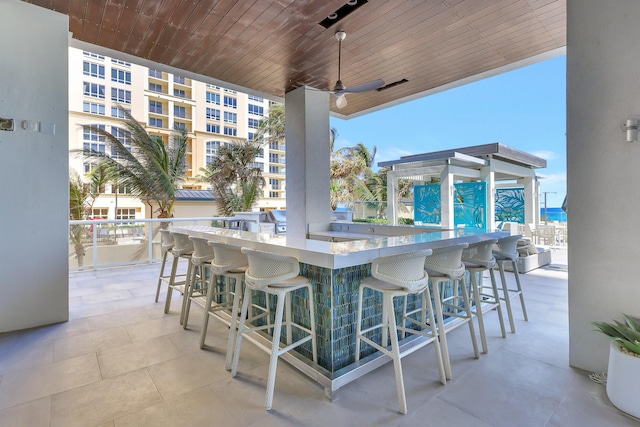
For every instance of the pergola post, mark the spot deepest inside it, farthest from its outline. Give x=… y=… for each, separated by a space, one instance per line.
x=487 y=175
x=446 y=199
x=392 y=199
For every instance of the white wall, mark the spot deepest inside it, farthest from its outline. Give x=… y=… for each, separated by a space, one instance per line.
x=33 y=167
x=603 y=89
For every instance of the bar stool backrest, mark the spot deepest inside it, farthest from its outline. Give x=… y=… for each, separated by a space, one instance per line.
x=227 y=257
x=266 y=268
x=507 y=247
x=182 y=244
x=447 y=260
x=202 y=252
x=167 y=240
x=481 y=253
x=404 y=270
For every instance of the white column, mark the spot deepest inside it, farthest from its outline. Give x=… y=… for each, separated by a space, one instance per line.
x=308 y=157
x=487 y=175
x=446 y=199
x=392 y=198
x=602 y=171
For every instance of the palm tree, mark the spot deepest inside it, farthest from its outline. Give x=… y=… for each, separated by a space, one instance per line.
x=235 y=177
x=151 y=169
x=80 y=202
x=272 y=128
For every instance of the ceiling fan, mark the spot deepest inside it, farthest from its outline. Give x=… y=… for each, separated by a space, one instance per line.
x=340 y=90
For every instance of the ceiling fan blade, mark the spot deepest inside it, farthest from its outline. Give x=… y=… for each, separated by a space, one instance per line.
x=365 y=87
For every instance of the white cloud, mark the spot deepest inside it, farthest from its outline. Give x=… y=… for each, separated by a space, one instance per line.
x=545 y=154
x=391 y=153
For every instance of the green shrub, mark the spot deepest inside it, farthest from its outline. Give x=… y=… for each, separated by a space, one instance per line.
x=627 y=334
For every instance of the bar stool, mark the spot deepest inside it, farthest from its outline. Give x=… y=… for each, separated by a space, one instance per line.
x=230 y=262
x=182 y=249
x=478 y=258
x=276 y=275
x=505 y=251
x=166 y=246
x=196 y=289
x=397 y=276
x=445 y=265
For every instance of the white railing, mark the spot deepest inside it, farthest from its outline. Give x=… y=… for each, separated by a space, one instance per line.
x=110 y=243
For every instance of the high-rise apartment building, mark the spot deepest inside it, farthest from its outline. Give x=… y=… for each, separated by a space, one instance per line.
x=212 y=115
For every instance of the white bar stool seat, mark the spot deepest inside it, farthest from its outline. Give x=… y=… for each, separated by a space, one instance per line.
x=166 y=245
x=397 y=276
x=230 y=262
x=445 y=265
x=276 y=275
x=505 y=251
x=183 y=249
x=196 y=290
x=478 y=258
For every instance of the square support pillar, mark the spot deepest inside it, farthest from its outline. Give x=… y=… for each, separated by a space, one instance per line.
x=530 y=199
x=392 y=198
x=308 y=159
x=487 y=175
x=446 y=199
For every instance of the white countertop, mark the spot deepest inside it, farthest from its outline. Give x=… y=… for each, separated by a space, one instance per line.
x=339 y=254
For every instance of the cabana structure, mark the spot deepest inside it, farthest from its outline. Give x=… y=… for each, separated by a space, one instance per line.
x=505 y=182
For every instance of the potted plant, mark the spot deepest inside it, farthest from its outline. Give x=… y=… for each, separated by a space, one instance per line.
x=623 y=376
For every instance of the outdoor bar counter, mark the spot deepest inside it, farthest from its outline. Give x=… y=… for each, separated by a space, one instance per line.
x=335 y=258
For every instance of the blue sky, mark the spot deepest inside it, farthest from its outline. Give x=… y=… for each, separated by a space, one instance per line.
x=524 y=109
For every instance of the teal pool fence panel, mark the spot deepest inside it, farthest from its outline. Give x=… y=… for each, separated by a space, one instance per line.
x=510 y=205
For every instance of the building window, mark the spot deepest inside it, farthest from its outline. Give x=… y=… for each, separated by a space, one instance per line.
x=256 y=109
x=213 y=98
x=93 y=108
x=230 y=131
x=180 y=93
x=123 y=136
x=155 y=87
x=119 y=112
x=230 y=101
x=120 y=62
x=121 y=95
x=230 y=91
x=274 y=169
x=93 y=70
x=155 y=107
x=155 y=122
x=181 y=126
x=213 y=114
x=274 y=158
x=102 y=213
x=211 y=149
x=274 y=183
x=260 y=154
x=180 y=80
x=126 y=213
x=120 y=76
x=255 y=98
x=94 y=141
x=93 y=90
x=210 y=86
x=213 y=128
x=180 y=111
x=155 y=73
x=274 y=194
x=254 y=123
x=230 y=117
x=92 y=55
x=124 y=189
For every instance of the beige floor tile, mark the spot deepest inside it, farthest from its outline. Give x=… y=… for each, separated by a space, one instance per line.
x=497 y=403
x=130 y=357
x=22 y=356
x=106 y=296
x=187 y=373
x=165 y=325
x=199 y=408
x=91 y=342
x=124 y=317
x=104 y=401
x=22 y=386
x=31 y=414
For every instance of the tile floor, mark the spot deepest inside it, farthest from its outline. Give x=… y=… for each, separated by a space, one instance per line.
x=120 y=361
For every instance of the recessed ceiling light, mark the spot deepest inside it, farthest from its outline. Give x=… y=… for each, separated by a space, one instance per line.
x=345 y=9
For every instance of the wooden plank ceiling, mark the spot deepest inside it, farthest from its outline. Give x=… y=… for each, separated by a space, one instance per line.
x=274 y=46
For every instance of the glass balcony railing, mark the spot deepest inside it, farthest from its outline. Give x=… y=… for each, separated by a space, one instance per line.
x=97 y=244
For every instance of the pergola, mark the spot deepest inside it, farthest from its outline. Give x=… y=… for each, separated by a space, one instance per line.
x=495 y=164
